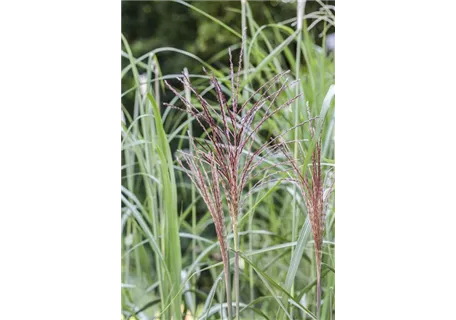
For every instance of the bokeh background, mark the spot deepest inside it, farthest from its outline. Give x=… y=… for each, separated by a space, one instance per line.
x=154 y=24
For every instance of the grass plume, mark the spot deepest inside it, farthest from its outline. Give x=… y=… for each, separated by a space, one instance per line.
x=312 y=186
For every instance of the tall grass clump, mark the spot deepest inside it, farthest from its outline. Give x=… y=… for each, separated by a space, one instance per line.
x=230 y=153
x=148 y=163
x=210 y=171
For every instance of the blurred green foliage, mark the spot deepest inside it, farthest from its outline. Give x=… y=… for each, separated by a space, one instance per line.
x=152 y=24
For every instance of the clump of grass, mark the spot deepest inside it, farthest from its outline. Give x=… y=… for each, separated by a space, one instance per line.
x=153 y=281
x=230 y=153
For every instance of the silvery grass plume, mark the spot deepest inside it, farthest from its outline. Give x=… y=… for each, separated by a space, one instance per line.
x=312 y=186
x=232 y=150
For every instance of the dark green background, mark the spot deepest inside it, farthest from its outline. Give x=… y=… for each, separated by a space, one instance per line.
x=148 y=25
